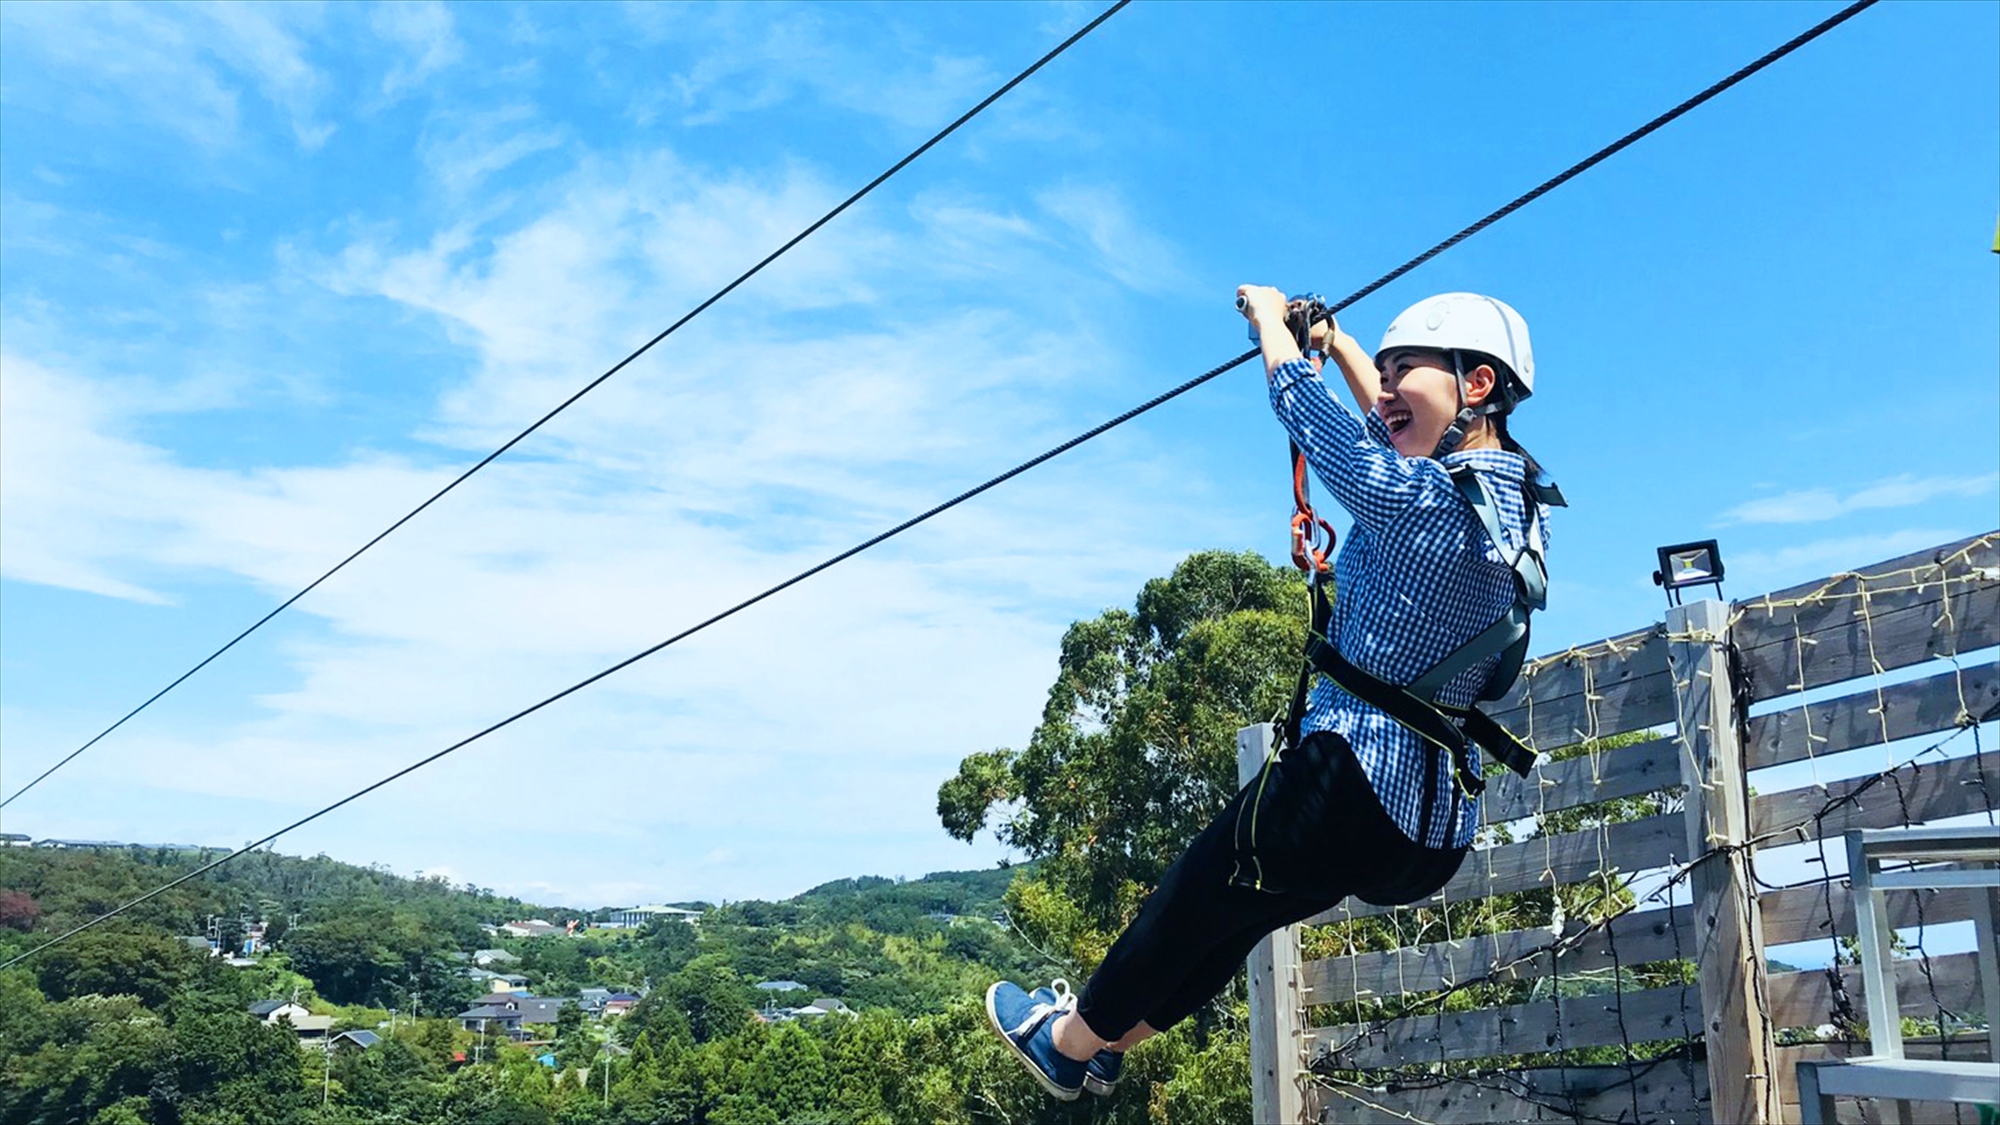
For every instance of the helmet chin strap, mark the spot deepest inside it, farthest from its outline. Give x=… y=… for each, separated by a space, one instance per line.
x=1454 y=434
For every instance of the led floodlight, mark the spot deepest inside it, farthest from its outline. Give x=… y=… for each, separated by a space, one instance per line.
x=1689 y=564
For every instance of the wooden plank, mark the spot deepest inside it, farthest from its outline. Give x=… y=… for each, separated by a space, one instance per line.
x=1625 y=772
x=1914 y=579
x=1928 y=791
x=1796 y=914
x=1908 y=710
x=1629 y=690
x=1638 y=1016
x=1791 y=915
x=1669 y=1090
x=1277 y=1008
x=1896 y=639
x=1635 y=845
x=1728 y=935
x=1633 y=939
x=1806 y=999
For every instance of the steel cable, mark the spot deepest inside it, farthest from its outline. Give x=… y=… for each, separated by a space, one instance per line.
x=1520 y=201
x=590 y=386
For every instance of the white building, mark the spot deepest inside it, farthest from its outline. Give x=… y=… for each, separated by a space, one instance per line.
x=637 y=916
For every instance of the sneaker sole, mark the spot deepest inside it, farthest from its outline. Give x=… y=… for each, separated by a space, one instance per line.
x=1034 y=1071
x=1101 y=1089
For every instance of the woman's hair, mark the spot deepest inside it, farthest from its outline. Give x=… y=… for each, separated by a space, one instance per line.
x=1507 y=442
x=1503 y=384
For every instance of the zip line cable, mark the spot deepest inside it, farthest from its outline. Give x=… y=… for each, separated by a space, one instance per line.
x=1542 y=189
x=719 y=294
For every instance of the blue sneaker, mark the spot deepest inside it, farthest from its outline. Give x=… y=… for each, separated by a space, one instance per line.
x=1026 y=1022
x=1101 y=1073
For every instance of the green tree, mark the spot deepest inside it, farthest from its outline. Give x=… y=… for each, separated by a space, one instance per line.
x=147 y=966
x=714 y=999
x=375 y=955
x=91 y=1053
x=575 y=1045
x=1136 y=749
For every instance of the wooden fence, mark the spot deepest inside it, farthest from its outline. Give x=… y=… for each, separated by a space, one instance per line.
x=1392 y=1047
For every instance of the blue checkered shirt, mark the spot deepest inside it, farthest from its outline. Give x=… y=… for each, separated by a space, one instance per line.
x=1416 y=577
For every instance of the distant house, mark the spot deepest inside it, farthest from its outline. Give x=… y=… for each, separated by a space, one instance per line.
x=487 y=958
x=490 y=1017
x=271 y=1011
x=634 y=917
x=308 y=1026
x=79 y=844
x=501 y=998
x=539 y=1011
x=824 y=1006
x=532 y=927
x=498 y=982
x=201 y=944
x=354 y=1041
x=619 y=1003
x=592 y=999
x=782 y=986
x=15 y=839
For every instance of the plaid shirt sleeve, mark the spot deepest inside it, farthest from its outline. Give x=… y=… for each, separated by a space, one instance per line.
x=1353 y=455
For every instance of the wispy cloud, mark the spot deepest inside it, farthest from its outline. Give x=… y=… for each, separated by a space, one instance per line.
x=758 y=57
x=462 y=149
x=174 y=68
x=1137 y=257
x=1816 y=504
x=757 y=443
x=1754 y=571
x=427 y=38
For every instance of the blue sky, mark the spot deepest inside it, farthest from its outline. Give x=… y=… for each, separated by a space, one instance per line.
x=274 y=274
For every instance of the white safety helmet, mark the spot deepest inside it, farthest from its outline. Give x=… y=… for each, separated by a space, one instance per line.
x=1469 y=322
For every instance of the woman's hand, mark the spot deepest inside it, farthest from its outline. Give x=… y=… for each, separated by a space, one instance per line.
x=1323 y=335
x=1263 y=307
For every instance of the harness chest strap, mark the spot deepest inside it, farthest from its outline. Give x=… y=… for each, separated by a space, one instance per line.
x=1416 y=707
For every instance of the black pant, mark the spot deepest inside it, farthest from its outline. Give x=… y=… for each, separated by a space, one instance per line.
x=1322 y=835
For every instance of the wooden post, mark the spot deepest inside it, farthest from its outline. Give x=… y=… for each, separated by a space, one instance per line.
x=1277 y=1007
x=1729 y=941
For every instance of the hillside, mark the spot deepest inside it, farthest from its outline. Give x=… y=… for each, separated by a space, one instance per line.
x=139 y=1023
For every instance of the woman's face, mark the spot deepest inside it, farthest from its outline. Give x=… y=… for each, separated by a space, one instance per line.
x=1418 y=400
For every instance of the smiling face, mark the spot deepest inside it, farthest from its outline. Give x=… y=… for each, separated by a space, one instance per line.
x=1419 y=398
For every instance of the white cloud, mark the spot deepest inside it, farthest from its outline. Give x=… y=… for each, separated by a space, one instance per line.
x=463 y=149
x=158 y=65
x=1816 y=504
x=253 y=40
x=1137 y=257
x=751 y=447
x=427 y=36
x=753 y=58
x=1755 y=571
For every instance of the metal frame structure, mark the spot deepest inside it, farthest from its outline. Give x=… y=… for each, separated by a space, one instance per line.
x=1952 y=857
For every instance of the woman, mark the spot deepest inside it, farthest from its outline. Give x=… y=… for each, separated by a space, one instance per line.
x=1435 y=582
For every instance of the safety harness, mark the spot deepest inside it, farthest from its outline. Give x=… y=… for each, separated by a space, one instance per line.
x=1452 y=729
x=1416 y=706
